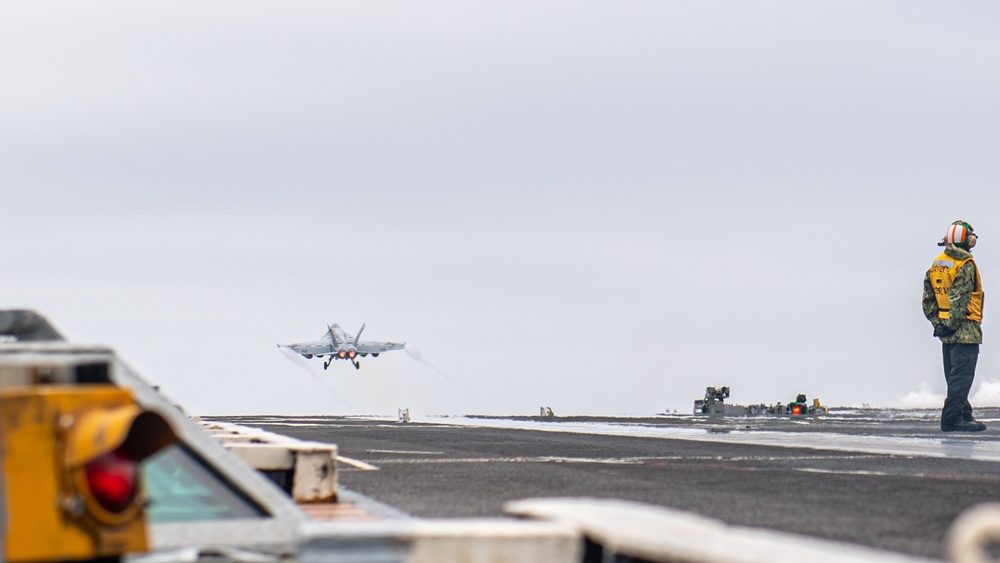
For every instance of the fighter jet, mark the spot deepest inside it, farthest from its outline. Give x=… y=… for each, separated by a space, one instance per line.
x=338 y=345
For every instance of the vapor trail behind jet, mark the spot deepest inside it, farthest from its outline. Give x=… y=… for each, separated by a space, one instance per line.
x=302 y=363
x=416 y=355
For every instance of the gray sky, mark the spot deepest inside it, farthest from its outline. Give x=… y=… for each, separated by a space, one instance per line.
x=601 y=207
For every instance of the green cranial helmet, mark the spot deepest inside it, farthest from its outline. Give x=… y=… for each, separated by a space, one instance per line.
x=961 y=234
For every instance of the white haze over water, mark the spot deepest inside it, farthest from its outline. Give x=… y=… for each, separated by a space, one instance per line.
x=592 y=206
x=984 y=394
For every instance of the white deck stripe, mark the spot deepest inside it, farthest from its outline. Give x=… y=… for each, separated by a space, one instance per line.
x=356 y=463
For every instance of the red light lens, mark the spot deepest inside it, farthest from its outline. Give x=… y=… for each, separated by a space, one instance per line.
x=112 y=480
x=796 y=410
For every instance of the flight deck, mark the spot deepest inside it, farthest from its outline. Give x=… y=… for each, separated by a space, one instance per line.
x=881 y=478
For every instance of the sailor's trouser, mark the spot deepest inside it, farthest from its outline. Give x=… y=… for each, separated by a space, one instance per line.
x=959 y=371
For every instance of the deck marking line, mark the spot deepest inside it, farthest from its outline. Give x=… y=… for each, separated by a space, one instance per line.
x=356 y=463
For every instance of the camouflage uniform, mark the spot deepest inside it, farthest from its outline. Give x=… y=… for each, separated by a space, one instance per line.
x=966 y=331
x=961 y=349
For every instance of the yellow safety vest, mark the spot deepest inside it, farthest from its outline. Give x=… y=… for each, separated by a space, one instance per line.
x=942 y=274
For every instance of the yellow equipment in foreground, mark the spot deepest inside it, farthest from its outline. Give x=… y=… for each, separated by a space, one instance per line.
x=71 y=458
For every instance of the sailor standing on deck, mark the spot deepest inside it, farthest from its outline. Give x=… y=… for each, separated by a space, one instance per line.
x=953 y=303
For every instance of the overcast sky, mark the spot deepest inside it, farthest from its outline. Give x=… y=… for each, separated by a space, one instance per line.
x=600 y=207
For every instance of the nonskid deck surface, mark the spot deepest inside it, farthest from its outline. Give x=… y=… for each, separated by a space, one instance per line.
x=888 y=479
x=882 y=431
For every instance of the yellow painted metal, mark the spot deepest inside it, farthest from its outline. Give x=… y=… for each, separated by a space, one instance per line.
x=49 y=433
x=97 y=431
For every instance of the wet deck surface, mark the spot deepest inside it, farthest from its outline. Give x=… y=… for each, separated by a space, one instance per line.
x=890 y=479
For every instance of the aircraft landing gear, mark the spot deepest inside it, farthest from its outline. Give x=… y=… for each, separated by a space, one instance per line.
x=357 y=364
x=326 y=364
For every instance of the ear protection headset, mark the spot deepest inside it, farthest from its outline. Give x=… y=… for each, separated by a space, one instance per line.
x=961 y=235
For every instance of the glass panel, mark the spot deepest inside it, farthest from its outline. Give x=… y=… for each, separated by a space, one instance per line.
x=181 y=488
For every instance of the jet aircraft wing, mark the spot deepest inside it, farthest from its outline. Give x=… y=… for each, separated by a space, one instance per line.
x=311 y=348
x=373 y=347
